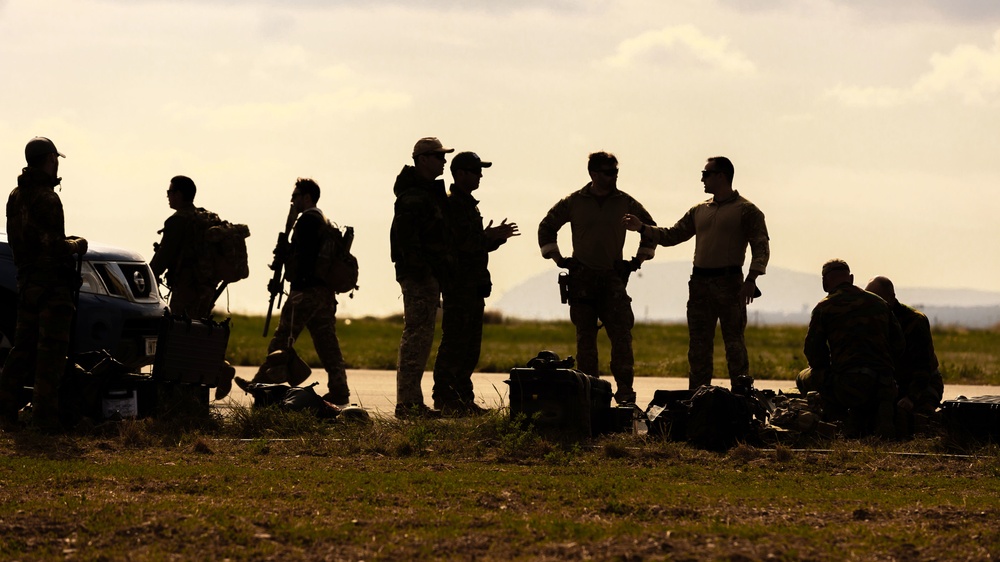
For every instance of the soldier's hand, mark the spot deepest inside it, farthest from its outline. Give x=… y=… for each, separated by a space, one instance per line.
x=275 y=286
x=631 y=222
x=567 y=263
x=905 y=404
x=747 y=291
x=78 y=245
x=502 y=231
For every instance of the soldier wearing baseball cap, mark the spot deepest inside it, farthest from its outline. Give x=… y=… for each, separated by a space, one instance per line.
x=468 y=161
x=420 y=249
x=465 y=295
x=430 y=145
x=40 y=146
x=46 y=278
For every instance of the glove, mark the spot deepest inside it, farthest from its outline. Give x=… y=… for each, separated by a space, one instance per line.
x=77 y=245
x=568 y=263
x=275 y=287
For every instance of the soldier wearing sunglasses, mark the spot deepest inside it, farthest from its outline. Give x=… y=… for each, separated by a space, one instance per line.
x=597 y=271
x=722 y=227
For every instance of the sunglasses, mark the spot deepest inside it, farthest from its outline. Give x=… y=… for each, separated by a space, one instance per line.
x=706 y=173
x=439 y=155
x=611 y=172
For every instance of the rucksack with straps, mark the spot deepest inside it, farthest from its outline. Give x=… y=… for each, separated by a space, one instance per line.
x=222 y=256
x=336 y=266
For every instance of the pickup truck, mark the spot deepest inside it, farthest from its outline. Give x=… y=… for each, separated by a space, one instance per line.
x=120 y=308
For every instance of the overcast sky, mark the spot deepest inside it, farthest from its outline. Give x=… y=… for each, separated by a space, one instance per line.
x=864 y=130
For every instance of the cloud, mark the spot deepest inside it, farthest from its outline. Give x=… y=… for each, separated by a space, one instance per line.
x=971 y=11
x=965 y=11
x=687 y=39
x=489 y=6
x=969 y=72
x=346 y=101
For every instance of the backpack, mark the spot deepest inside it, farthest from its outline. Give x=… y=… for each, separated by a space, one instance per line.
x=717 y=418
x=335 y=265
x=222 y=256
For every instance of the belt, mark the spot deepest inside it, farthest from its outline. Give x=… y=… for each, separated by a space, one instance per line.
x=716 y=271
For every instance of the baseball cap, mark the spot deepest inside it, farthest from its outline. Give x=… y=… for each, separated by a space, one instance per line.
x=429 y=144
x=38 y=146
x=468 y=161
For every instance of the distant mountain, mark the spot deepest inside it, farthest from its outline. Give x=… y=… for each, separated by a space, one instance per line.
x=659 y=294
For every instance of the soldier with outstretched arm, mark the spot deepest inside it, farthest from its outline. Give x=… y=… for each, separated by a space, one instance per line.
x=723 y=227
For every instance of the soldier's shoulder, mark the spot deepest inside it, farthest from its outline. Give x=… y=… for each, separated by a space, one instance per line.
x=906 y=313
x=629 y=198
x=748 y=206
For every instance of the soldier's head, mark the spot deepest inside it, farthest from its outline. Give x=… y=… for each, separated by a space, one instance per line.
x=836 y=272
x=467 y=170
x=184 y=187
x=603 y=169
x=882 y=286
x=717 y=175
x=429 y=157
x=306 y=194
x=41 y=153
x=181 y=190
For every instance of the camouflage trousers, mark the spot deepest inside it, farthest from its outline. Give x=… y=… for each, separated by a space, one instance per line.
x=711 y=301
x=461 y=344
x=863 y=399
x=194 y=301
x=421 y=298
x=315 y=309
x=38 y=358
x=595 y=298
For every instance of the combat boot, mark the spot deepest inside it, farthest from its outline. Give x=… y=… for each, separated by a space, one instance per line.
x=416 y=411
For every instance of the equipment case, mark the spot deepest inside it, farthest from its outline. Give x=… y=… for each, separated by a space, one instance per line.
x=190 y=351
x=977 y=417
x=560 y=398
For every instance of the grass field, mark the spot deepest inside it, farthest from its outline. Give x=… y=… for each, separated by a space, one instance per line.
x=267 y=485
x=966 y=356
x=272 y=485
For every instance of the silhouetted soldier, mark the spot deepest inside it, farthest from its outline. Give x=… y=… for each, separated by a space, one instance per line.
x=419 y=247
x=917 y=376
x=311 y=304
x=176 y=257
x=723 y=227
x=597 y=271
x=47 y=279
x=465 y=295
x=852 y=346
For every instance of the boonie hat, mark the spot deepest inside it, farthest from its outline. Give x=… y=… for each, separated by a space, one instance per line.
x=39 y=146
x=429 y=144
x=468 y=160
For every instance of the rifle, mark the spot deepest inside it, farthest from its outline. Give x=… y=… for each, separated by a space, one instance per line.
x=276 y=286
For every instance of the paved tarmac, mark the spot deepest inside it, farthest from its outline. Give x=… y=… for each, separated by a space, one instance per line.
x=376 y=390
